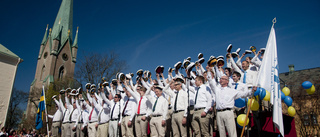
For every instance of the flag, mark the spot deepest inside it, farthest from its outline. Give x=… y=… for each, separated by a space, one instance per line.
x=41 y=109
x=268 y=78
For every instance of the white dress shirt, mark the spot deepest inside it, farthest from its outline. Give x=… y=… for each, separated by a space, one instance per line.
x=225 y=96
x=130 y=109
x=182 y=99
x=145 y=104
x=204 y=97
x=251 y=76
x=57 y=117
x=161 y=108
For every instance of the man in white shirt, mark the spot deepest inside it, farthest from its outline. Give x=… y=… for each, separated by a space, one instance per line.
x=56 y=118
x=225 y=97
x=127 y=113
x=66 y=109
x=203 y=101
x=159 y=112
x=144 y=105
x=73 y=117
x=180 y=106
x=103 y=115
x=247 y=76
x=93 y=115
x=82 y=120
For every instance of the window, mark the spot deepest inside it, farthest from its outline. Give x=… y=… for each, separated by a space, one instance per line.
x=41 y=74
x=45 y=55
x=61 y=71
x=64 y=56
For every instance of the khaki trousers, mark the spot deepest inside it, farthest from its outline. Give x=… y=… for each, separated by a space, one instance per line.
x=226 y=119
x=157 y=130
x=55 y=129
x=103 y=130
x=141 y=126
x=65 y=130
x=73 y=133
x=113 y=128
x=200 y=124
x=92 y=130
x=125 y=129
x=177 y=125
x=80 y=133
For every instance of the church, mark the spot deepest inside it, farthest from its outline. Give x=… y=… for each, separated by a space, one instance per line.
x=57 y=54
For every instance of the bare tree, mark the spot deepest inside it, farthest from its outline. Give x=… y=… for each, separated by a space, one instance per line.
x=95 y=66
x=15 y=111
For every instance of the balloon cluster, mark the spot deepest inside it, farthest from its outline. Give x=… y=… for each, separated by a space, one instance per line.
x=288 y=101
x=309 y=87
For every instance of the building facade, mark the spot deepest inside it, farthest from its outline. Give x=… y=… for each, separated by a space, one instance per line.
x=57 y=55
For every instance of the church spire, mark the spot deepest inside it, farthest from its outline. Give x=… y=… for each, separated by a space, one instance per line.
x=75 y=42
x=63 y=21
x=44 y=40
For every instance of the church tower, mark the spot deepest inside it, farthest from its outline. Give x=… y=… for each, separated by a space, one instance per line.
x=57 y=55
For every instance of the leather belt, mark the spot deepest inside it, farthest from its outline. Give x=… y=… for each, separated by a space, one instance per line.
x=93 y=121
x=141 y=114
x=156 y=115
x=220 y=110
x=114 y=119
x=196 y=109
x=177 y=111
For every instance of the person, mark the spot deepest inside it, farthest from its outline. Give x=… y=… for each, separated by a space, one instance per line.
x=93 y=113
x=224 y=97
x=73 y=117
x=127 y=112
x=66 y=109
x=159 y=111
x=203 y=101
x=247 y=76
x=144 y=105
x=56 y=118
x=103 y=115
x=3 y=132
x=83 y=118
x=180 y=107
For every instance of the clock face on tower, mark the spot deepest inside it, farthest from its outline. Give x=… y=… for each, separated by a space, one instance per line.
x=64 y=56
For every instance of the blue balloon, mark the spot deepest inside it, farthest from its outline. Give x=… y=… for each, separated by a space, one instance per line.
x=283 y=96
x=257 y=92
x=262 y=93
x=306 y=84
x=288 y=101
x=240 y=102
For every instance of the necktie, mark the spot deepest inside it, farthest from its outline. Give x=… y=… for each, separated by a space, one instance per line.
x=125 y=107
x=91 y=113
x=71 y=115
x=236 y=85
x=154 y=106
x=139 y=106
x=113 y=109
x=81 y=119
x=64 y=114
x=245 y=77
x=195 y=101
x=175 y=101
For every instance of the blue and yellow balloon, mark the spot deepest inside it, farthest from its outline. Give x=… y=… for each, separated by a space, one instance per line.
x=241 y=118
x=311 y=90
x=291 y=111
x=254 y=104
x=267 y=96
x=286 y=91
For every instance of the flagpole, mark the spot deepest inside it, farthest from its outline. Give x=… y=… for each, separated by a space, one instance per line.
x=45 y=108
x=245 y=121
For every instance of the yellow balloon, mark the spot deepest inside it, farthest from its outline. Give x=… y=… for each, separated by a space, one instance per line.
x=254 y=104
x=267 y=97
x=311 y=90
x=291 y=111
x=286 y=91
x=241 y=118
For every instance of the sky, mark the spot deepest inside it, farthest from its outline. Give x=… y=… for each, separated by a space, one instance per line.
x=151 y=33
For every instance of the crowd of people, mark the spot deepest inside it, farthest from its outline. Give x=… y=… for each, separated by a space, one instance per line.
x=197 y=104
x=9 y=132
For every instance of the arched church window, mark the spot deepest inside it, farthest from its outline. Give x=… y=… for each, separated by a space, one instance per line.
x=41 y=74
x=61 y=71
x=45 y=55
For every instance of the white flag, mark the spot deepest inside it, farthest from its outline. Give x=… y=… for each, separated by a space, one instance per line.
x=268 y=78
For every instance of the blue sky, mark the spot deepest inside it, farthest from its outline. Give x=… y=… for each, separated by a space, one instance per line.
x=151 y=33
